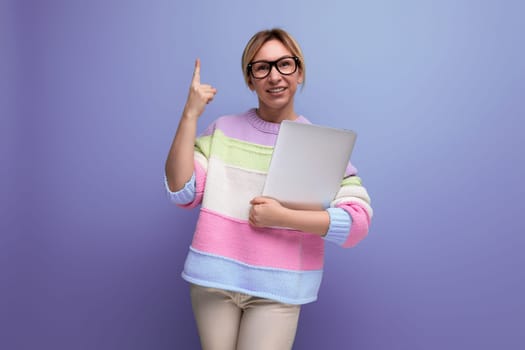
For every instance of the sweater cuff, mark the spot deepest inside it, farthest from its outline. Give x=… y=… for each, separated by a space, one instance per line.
x=339 y=229
x=183 y=196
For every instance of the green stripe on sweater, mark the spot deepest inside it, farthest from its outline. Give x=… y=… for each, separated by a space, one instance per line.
x=351 y=180
x=234 y=152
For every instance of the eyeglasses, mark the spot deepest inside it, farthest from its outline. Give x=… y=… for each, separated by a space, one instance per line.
x=285 y=65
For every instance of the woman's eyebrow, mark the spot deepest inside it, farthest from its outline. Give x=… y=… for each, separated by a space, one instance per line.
x=273 y=60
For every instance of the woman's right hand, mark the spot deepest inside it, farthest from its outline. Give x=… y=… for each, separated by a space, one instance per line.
x=199 y=96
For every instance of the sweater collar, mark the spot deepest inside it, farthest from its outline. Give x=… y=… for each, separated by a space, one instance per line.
x=267 y=127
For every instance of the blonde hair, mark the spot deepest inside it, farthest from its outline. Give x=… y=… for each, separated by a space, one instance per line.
x=260 y=38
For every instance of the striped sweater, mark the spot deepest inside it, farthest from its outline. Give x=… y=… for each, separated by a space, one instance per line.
x=231 y=161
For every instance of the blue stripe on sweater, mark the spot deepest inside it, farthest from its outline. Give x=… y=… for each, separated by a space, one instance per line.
x=286 y=286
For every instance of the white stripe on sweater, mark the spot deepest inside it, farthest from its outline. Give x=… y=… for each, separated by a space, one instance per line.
x=353 y=191
x=230 y=189
x=201 y=159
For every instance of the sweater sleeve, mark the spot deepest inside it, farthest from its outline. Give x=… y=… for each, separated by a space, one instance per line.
x=192 y=193
x=352 y=198
x=340 y=222
x=184 y=195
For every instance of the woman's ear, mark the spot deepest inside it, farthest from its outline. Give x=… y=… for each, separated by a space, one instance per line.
x=250 y=84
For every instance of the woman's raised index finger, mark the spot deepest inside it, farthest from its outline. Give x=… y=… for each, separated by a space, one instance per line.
x=197 y=71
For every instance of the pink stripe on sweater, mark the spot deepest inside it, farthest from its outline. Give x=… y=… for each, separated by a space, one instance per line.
x=200 y=181
x=360 y=223
x=263 y=247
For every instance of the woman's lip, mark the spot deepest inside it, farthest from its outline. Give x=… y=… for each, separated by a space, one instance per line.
x=276 y=90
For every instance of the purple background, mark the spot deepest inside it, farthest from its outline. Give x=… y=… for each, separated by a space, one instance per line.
x=91 y=249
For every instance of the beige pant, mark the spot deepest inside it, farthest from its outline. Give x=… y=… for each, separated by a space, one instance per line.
x=236 y=321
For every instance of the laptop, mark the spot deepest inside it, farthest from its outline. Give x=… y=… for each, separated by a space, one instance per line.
x=308 y=164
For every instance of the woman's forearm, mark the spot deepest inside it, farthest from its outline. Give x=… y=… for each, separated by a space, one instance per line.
x=313 y=221
x=179 y=164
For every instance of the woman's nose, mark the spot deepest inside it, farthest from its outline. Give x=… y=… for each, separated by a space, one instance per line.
x=274 y=74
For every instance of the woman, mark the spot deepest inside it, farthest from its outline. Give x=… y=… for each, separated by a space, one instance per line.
x=247 y=278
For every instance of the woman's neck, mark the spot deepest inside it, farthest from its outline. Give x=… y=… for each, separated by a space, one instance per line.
x=276 y=115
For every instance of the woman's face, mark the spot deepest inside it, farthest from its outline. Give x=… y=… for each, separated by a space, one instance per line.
x=276 y=91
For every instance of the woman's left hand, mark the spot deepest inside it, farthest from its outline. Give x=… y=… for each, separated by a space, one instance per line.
x=266 y=212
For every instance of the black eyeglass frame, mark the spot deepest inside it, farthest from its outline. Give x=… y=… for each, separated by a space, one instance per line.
x=274 y=64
